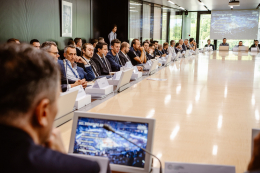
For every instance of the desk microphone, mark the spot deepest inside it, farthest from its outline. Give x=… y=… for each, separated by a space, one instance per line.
x=64 y=62
x=108 y=128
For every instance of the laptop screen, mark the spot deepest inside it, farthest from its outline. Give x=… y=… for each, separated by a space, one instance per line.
x=92 y=139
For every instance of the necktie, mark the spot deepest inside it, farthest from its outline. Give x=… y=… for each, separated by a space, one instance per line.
x=103 y=61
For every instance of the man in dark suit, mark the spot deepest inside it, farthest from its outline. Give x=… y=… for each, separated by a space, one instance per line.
x=255 y=45
x=178 y=48
x=28 y=107
x=156 y=50
x=209 y=44
x=124 y=58
x=78 y=43
x=113 y=57
x=103 y=65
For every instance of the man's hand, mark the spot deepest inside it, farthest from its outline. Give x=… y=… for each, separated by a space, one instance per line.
x=164 y=55
x=81 y=60
x=141 y=48
x=254 y=164
x=85 y=84
x=55 y=142
x=77 y=83
x=140 y=68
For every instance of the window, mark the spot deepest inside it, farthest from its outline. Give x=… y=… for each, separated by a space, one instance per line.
x=189 y=25
x=157 y=24
x=146 y=21
x=164 y=26
x=205 y=20
x=135 y=18
x=175 y=26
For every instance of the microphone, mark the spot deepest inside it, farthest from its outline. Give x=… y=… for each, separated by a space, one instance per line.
x=65 y=67
x=108 y=128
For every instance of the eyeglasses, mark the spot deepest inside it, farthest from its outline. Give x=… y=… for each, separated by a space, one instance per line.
x=55 y=53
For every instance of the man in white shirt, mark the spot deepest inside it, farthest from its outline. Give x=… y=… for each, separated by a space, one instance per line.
x=112 y=35
x=171 y=48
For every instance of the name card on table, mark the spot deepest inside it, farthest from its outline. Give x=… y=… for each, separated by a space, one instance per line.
x=128 y=64
x=101 y=83
x=117 y=75
x=81 y=92
x=174 y=167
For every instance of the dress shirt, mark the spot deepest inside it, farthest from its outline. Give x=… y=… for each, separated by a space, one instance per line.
x=71 y=74
x=111 y=36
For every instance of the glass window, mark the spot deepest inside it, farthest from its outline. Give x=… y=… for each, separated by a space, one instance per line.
x=146 y=21
x=175 y=26
x=189 y=25
x=135 y=18
x=157 y=24
x=164 y=26
x=205 y=20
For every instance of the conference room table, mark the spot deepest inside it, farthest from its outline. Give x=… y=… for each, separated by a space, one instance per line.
x=204 y=110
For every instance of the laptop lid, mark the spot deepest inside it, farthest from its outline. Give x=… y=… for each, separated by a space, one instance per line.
x=153 y=67
x=66 y=103
x=224 y=48
x=243 y=48
x=125 y=78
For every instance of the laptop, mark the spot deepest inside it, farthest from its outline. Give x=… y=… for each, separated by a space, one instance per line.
x=243 y=48
x=66 y=103
x=124 y=80
x=168 y=60
x=223 y=48
x=254 y=49
x=153 y=68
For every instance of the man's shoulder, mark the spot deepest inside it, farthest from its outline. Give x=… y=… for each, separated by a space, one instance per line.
x=109 y=54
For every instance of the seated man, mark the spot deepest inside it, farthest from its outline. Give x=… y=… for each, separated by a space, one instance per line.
x=103 y=65
x=146 y=48
x=192 y=44
x=136 y=53
x=224 y=42
x=171 y=48
x=181 y=42
x=240 y=44
x=156 y=50
x=125 y=47
x=101 y=39
x=52 y=49
x=151 y=51
x=28 y=107
x=13 y=40
x=208 y=45
x=70 y=69
x=87 y=54
x=186 y=45
x=165 y=48
x=113 y=57
x=178 y=48
x=78 y=43
x=35 y=43
x=160 y=49
x=255 y=45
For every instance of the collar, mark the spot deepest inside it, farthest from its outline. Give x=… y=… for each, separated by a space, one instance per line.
x=85 y=59
x=123 y=53
x=78 y=48
x=74 y=65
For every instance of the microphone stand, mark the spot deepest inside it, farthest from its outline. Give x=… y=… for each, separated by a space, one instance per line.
x=108 y=128
x=65 y=67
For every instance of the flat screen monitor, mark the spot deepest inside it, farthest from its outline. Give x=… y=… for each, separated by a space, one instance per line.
x=88 y=137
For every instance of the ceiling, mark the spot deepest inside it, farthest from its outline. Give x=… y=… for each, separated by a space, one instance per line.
x=195 y=5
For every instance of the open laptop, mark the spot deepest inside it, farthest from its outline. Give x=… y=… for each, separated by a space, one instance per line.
x=223 y=48
x=124 y=80
x=88 y=137
x=168 y=60
x=243 y=48
x=152 y=69
x=66 y=103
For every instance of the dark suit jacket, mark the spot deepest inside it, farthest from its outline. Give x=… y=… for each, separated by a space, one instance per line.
x=253 y=45
x=165 y=51
x=78 y=52
x=210 y=45
x=19 y=153
x=114 y=62
x=184 y=47
x=157 y=52
x=101 y=68
x=123 y=58
x=176 y=50
x=149 y=57
x=89 y=75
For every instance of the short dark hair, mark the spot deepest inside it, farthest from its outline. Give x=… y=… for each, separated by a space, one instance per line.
x=100 y=45
x=134 y=41
x=27 y=76
x=224 y=38
x=100 y=38
x=255 y=40
x=177 y=44
x=76 y=40
x=165 y=44
x=114 y=26
x=145 y=42
x=171 y=42
x=155 y=41
x=240 y=41
x=151 y=45
x=191 y=39
x=92 y=41
x=71 y=42
x=34 y=40
x=11 y=40
x=115 y=41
